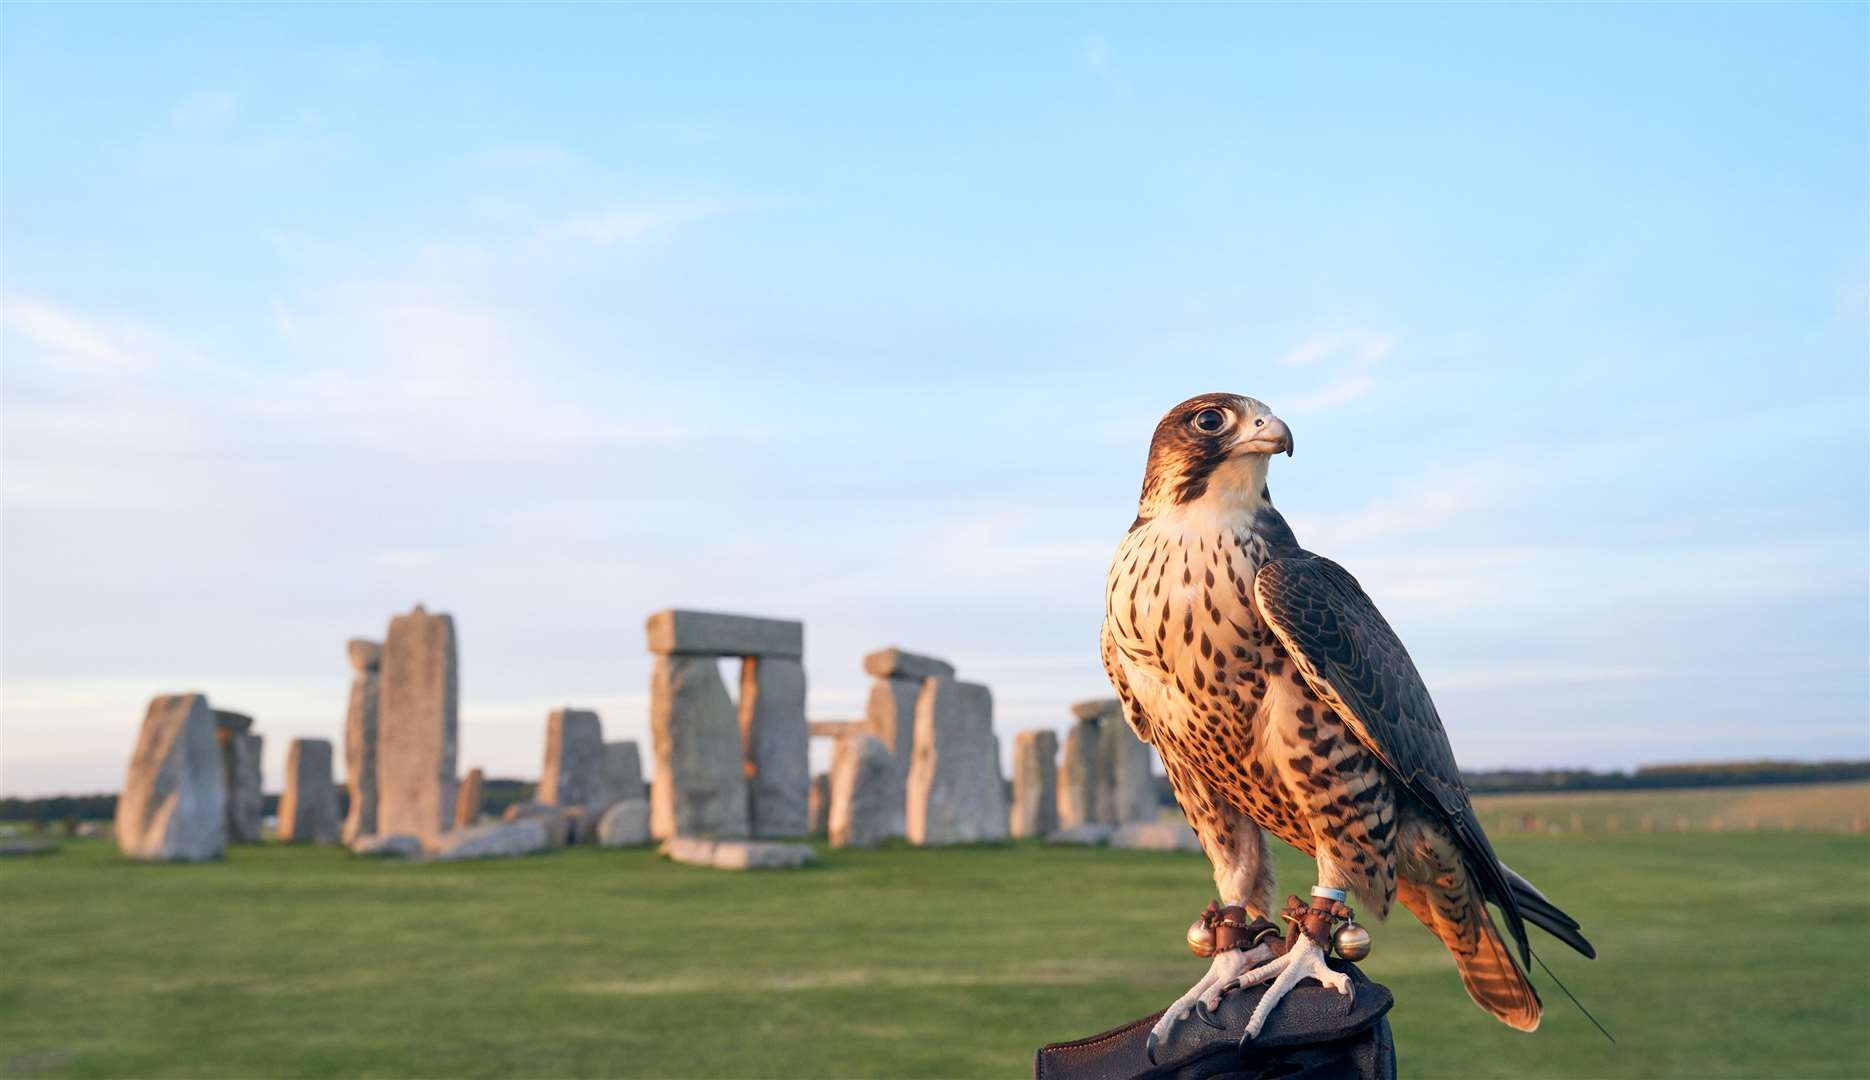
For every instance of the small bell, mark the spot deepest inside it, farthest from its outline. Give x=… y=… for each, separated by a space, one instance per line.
x=1201 y=938
x=1351 y=941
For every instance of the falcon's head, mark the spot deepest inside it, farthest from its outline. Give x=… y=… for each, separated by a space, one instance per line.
x=1214 y=445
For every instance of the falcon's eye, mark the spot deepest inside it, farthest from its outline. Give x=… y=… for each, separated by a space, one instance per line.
x=1209 y=421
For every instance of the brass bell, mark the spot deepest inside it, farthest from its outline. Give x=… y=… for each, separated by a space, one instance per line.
x=1201 y=938
x=1351 y=941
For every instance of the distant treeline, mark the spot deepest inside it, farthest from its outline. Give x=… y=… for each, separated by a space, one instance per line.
x=498 y=794
x=495 y=796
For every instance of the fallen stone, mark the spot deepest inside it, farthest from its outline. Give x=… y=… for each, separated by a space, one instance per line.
x=1156 y=836
x=1035 y=784
x=622 y=775
x=774 y=738
x=866 y=799
x=467 y=803
x=360 y=739
x=1086 y=835
x=955 y=792
x=818 y=805
x=625 y=824
x=390 y=845
x=709 y=633
x=240 y=760
x=500 y=840
x=894 y=663
x=173 y=805
x=701 y=783
x=27 y=845
x=417 y=720
x=737 y=854
x=558 y=822
x=574 y=758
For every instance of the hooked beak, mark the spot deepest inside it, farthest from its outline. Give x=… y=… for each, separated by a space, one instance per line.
x=1269 y=438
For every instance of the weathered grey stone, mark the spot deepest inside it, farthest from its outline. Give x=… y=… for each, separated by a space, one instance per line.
x=1078 y=776
x=1156 y=836
x=736 y=854
x=891 y=716
x=818 y=806
x=240 y=760
x=709 y=633
x=773 y=737
x=228 y=720
x=174 y=799
x=365 y=655
x=500 y=840
x=467 y=803
x=622 y=777
x=360 y=740
x=701 y=784
x=416 y=724
x=1126 y=759
x=866 y=799
x=11 y=846
x=558 y=823
x=894 y=663
x=308 y=809
x=625 y=824
x=1098 y=709
x=1086 y=835
x=391 y=845
x=956 y=794
x=574 y=759
x=1035 y=783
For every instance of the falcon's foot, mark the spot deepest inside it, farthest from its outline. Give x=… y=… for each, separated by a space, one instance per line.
x=1229 y=969
x=1304 y=960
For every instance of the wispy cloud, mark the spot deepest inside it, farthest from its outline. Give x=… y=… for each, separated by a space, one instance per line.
x=622 y=225
x=1358 y=347
x=1335 y=393
x=68 y=339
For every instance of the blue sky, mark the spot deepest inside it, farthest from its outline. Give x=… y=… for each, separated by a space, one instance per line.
x=551 y=317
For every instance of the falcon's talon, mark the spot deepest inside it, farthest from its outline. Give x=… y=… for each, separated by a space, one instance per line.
x=1304 y=961
x=1202 y=1014
x=1149 y=1049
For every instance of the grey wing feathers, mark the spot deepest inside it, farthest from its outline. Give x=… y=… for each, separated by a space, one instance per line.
x=1347 y=651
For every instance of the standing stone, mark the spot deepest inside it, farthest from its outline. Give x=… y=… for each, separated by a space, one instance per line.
x=700 y=788
x=866 y=800
x=308 y=811
x=1077 y=776
x=360 y=739
x=1035 y=784
x=1132 y=788
x=174 y=799
x=890 y=714
x=818 y=805
x=240 y=761
x=773 y=738
x=956 y=794
x=467 y=803
x=625 y=824
x=416 y=722
x=622 y=779
x=574 y=758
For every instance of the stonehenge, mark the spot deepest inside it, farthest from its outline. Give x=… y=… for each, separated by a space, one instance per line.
x=308 y=809
x=467 y=803
x=622 y=779
x=1104 y=778
x=722 y=769
x=818 y=805
x=360 y=739
x=736 y=854
x=891 y=710
x=955 y=792
x=173 y=805
x=240 y=761
x=866 y=800
x=417 y=706
x=1035 y=784
x=625 y=824
x=574 y=759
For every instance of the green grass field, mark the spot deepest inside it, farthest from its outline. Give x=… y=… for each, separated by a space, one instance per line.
x=1721 y=955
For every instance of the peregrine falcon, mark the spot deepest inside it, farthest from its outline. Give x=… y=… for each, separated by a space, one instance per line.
x=1280 y=700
